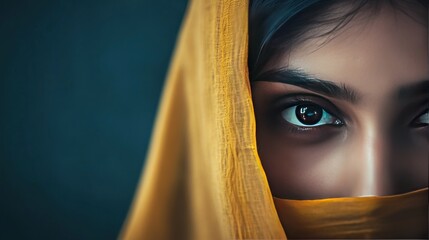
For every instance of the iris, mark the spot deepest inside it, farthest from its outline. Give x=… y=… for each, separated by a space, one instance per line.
x=309 y=114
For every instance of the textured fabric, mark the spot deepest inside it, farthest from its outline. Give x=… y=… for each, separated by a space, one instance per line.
x=403 y=216
x=203 y=178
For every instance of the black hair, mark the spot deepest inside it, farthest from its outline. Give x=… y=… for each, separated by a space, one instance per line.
x=277 y=25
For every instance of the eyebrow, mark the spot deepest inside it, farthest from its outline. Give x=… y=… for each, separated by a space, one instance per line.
x=304 y=80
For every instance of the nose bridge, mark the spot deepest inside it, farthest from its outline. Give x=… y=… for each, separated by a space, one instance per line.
x=374 y=166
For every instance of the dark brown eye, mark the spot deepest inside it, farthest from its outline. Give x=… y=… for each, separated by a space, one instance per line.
x=308 y=114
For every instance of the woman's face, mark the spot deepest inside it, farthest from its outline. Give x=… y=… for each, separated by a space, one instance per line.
x=356 y=122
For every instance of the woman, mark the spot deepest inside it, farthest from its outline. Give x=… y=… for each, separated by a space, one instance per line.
x=328 y=107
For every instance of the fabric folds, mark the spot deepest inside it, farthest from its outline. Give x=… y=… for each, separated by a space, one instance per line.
x=403 y=216
x=203 y=178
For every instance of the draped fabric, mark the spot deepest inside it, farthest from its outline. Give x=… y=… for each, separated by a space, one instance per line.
x=402 y=216
x=203 y=178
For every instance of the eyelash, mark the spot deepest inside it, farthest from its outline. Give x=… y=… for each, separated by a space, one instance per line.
x=296 y=115
x=305 y=100
x=297 y=100
x=419 y=125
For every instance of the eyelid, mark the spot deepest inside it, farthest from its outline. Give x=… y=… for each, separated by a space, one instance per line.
x=292 y=99
x=413 y=122
x=289 y=115
x=410 y=111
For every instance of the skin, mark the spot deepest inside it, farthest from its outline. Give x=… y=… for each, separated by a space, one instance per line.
x=379 y=149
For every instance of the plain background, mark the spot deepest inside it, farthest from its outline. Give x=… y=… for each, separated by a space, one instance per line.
x=80 y=83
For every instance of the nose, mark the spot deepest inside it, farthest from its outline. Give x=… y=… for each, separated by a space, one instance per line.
x=373 y=164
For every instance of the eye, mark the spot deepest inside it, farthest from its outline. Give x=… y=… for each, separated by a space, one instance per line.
x=422 y=120
x=309 y=115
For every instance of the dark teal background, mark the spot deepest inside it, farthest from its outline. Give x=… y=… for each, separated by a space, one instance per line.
x=80 y=83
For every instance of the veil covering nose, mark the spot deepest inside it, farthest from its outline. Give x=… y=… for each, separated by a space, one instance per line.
x=203 y=178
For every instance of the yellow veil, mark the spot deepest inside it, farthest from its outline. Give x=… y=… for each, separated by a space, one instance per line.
x=203 y=178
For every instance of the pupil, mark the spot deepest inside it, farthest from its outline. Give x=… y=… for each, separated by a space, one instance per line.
x=309 y=114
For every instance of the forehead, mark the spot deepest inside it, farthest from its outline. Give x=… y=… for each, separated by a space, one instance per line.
x=389 y=50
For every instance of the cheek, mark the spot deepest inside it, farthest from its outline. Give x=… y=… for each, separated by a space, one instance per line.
x=355 y=160
x=339 y=167
x=408 y=164
x=299 y=171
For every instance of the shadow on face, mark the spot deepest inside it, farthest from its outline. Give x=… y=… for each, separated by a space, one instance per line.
x=348 y=117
